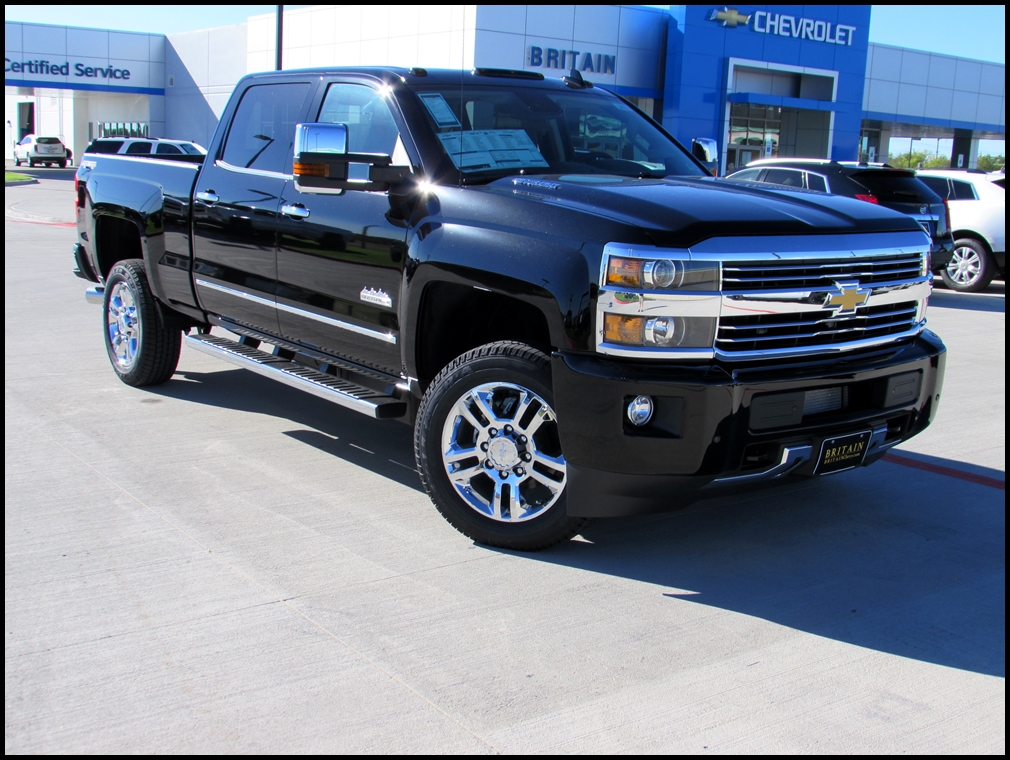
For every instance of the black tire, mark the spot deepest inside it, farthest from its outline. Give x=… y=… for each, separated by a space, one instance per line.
x=541 y=516
x=142 y=349
x=31 y=163
x=63 y=164
x=971 y=268
x=17 y=161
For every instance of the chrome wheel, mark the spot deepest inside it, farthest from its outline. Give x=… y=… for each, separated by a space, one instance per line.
x=123 y=324
x=501 y=452
x=965 y=266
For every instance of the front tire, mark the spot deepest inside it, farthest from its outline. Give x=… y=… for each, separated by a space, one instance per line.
x=970 y=269
x=143 y=350
x=487 y=447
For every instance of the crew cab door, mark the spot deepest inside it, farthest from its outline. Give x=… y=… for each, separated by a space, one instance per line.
x=236 y=203
x=340 y=260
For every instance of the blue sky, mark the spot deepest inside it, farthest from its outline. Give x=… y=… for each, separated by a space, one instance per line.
x=974 y=31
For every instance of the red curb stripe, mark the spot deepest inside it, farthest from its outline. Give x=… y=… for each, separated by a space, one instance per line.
x=982 y=480
x=48 y=224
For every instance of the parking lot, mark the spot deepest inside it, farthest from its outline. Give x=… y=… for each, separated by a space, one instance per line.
x=224 y=564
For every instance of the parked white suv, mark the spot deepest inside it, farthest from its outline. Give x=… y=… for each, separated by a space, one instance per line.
x=145 y=146
x=41 y=150
x=977 y=204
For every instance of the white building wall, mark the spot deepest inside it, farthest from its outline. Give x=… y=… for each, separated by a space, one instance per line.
x=200 y=72
x=65 y=112
x=909 y=85
x=635 y=35
x=433 y=36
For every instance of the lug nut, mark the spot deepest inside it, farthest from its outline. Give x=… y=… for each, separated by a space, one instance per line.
x=492 y=432
x=488 y=465
x=483 y=446
x=503 y=475
x=522 y=439
x=520 y=471
x=527 y=456
x=508 y=430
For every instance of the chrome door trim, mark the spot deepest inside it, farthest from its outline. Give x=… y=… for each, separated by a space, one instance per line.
x=385 y=337
x=254 y=172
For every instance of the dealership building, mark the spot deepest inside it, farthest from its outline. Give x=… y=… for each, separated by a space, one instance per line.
x=769 y=80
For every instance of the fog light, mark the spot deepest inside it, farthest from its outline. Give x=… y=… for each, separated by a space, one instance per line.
x=640 y=410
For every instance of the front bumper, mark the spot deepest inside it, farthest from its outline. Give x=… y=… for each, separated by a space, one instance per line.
x=702 y=430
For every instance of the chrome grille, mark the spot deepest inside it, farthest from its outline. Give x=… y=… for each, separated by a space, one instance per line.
x=819 y=273
x=763 y=332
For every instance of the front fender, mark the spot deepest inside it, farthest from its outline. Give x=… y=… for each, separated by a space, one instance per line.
x=553 y=278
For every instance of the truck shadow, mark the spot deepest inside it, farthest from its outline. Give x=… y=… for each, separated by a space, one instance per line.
x=384 y=447
x=889 y=558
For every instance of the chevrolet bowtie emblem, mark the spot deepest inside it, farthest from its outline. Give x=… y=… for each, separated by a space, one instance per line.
x=847 y=297
x=729 y=17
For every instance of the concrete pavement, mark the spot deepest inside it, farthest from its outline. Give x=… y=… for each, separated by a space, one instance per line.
x=223 y=564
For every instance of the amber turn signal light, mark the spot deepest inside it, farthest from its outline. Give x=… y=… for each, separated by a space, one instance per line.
x=626 y=272
x=620 y=329
x=310 y=170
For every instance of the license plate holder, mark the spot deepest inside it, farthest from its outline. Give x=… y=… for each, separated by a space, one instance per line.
x=842 y=452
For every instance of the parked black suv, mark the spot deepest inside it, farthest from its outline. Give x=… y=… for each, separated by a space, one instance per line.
x=881 y=184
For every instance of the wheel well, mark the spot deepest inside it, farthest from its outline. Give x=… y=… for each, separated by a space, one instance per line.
x=456 y=318
x=116 y=239
x=961 y=234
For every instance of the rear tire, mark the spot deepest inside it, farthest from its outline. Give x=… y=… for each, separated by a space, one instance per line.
x=63 y=164
x=143 y=350
x=488 y=451
x=31 y=163
x=970 y=269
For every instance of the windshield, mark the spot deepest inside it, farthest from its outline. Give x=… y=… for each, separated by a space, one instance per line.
x=48 y=141
x=493 y=131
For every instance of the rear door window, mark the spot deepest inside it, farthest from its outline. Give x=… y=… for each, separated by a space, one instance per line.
x=263 y=131
x=963 y=191
x=105 y=146
x=750 y=175
x=896 y=187
x=937 y=184
x=138 y=149
x=165 y=149
x=48 y=141
x=816 y=182
x=787 y=177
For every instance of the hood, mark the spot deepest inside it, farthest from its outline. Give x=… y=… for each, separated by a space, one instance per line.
x=680 y=212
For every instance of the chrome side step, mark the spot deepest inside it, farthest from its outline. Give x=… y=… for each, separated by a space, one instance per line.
x=341 y=392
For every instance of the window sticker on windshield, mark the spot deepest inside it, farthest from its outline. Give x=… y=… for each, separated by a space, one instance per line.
x=492 y=149
x=439 y=110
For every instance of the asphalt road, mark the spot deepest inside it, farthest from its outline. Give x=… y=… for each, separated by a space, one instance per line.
x=223 y=564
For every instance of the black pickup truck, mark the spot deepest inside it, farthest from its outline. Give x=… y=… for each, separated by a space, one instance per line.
x=577 y=319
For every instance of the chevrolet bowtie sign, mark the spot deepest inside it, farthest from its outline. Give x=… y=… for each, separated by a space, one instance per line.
x=846 y=297
x=729 y=17
x=785 y=26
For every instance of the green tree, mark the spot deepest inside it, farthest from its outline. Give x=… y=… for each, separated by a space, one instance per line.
x=909 y=160
x=937 y=162
x=989 y=163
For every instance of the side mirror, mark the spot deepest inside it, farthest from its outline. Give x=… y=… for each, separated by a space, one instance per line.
x=706 y=150
x=321 y=162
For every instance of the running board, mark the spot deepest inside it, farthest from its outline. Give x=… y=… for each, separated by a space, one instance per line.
x=342 y=392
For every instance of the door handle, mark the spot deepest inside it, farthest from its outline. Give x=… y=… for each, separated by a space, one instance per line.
x=295 y=211
x=207 y=196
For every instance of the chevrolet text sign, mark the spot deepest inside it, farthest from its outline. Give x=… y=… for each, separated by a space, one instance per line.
x=786 y=26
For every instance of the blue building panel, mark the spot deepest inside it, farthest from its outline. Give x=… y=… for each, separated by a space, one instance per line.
x=831 y=39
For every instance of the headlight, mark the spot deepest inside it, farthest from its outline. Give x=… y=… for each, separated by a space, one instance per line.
x=662 y=274
x=659 y=332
